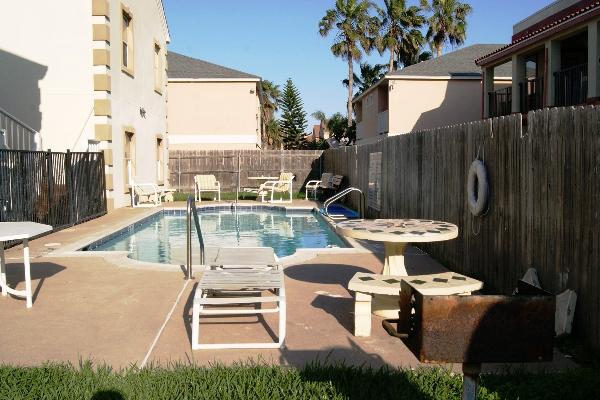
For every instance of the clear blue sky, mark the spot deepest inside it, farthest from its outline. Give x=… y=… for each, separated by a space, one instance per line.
x=277 y=39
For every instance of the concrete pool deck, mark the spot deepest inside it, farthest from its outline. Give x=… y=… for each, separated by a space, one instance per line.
x=88 y=308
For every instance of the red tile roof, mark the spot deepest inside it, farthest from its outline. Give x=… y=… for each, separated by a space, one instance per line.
x=586 y=10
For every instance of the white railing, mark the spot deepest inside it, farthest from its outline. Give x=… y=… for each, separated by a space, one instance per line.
x=17 y=135
x=383 y=122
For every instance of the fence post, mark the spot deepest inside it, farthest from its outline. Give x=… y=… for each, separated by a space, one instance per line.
x=237 y=188
x=50 y=183
x=25 y=196
x=69 y=187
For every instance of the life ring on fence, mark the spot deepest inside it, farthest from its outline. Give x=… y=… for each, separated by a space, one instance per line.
x=478 y=190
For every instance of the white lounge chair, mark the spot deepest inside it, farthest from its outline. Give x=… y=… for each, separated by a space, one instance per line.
x=206 y=183
x=229 y=286
x=242 y=258
x=283 y=185
x=145 y=194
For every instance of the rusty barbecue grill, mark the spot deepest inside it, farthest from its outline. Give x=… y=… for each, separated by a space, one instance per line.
x=476 y=329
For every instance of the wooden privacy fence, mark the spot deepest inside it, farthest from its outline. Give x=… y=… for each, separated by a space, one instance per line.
x=58 y=189
x=544 y=208
x=183 y=165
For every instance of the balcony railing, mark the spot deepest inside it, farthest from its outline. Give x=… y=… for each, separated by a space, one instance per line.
x=17 y=135
x=500 y=102
x=571 y=86
x=532 y=94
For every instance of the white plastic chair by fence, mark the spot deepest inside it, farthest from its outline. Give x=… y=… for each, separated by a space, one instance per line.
x=206 y=183
x=314 y=185
x=145 y=194
x=283 y=185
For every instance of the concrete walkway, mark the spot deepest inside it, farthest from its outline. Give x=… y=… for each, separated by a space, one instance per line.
x=87 y=308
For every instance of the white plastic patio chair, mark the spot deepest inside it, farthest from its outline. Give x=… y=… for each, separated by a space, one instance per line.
x=145 y=194
x=206 y=183
x=315 y=185
x=283 y=185
x=229 y=286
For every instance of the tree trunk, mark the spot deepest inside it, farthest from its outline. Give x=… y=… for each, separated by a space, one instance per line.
x=438 y=50
x=263 y=135
x=350 y=87
x=391 y=68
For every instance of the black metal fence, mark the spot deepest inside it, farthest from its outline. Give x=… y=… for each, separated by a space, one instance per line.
x=58 y=189
x=500 y=102
x=532 y=92
x=571 y=86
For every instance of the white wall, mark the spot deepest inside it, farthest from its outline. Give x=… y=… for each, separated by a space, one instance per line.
x=131 y=93
x=46 y=69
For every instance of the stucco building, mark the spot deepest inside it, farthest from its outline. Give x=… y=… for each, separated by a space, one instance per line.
x=212 y=107
x=441 y=91
x=88 y=75
x=555 y=56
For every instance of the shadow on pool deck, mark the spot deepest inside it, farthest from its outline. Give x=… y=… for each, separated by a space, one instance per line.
x=15 y=277
x=326 y=274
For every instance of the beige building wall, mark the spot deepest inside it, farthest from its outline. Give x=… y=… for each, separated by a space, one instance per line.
x=46 y=70
x=416 y=104
x=214 y=114
x=425 y=104
x=367 y=128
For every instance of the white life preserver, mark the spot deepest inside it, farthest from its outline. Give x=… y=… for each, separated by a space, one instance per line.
x=478 y=189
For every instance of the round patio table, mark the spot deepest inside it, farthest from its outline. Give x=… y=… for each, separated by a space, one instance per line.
x=19 y=231
x=396 y=235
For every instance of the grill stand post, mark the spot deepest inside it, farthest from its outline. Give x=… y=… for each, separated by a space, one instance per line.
x=471 y=373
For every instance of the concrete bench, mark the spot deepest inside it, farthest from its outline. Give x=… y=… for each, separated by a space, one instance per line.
x=365 y=285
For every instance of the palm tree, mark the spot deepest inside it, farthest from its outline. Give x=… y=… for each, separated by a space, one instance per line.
x=369 y=74
x=410 y=59
x=273 y=134
x=355 y=29
x=447 y=24
x=271 y=95
x=410 y=49
x=399 y=25
x=322 y=118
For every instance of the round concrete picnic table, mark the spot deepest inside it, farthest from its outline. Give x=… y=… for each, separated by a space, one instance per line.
x=19 y=231
x=396 y=235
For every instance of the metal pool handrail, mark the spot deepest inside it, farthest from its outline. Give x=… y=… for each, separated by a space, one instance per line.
x=343 y=193
x=191 y=211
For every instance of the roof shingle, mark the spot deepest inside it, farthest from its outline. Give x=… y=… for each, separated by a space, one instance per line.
x=459 y=63
x=184 y=67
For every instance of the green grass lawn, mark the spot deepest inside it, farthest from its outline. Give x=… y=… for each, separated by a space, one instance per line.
x=258 y=381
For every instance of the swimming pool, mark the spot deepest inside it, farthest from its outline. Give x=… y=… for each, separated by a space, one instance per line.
x=161 y=237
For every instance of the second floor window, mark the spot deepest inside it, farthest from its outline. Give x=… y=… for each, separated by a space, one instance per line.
x=127 y=39
x=158 y=68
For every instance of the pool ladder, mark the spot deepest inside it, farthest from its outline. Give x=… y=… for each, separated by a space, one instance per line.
x=191 y=212
x=337 y=196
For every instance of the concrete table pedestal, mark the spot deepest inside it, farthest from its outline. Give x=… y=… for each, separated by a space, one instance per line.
x=373 y=290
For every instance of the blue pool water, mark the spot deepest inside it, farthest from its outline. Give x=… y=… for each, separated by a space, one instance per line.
x=338 y=209
x=161 y=237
